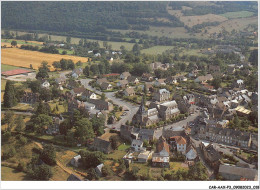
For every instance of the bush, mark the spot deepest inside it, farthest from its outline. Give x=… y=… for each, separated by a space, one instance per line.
x=23 y=140
x=21 y=167
x=107 y=171
x=9 y=153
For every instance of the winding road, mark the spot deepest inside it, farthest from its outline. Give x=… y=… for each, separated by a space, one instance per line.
x=132 y=109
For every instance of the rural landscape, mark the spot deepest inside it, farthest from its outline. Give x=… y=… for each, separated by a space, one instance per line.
x=129 y=91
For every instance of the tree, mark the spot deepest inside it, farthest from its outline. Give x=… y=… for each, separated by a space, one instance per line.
x=43 y=108
x=198 y=172
x=107 y=171
x=115 y=141
x=105 y=44
x=65 y=126
x=103 y=96
x=35 y=86
x=40 y=122
x=79 y=63
x=68 y=39
x=9 y=95
x=14 y=43
x=145 y=89
x=91 y=159
x=43 y=71
x=84 y=130
x=20 y=125
x=42 y=172
x=136 y=49
x=216 y=82
x=253 y=58
x=56 y=64
x=45 y=94
x=9 y=118
x=48 y=154
x=98 y=124
x=86 y=71
x=31 y=67
x=64 y=52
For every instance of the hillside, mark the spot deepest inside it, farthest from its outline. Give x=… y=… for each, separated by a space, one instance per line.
x=111 y=20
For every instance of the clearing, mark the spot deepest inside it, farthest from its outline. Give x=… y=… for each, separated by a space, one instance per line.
x=239 y=14
x=23 y=58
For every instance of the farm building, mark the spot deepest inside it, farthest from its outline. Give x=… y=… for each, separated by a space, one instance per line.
x=17 y=72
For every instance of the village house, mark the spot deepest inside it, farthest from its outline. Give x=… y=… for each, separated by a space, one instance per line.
x=45 y=84
x=133 y=80
x=162 y=95
x=75 y=104
x=182 y=78
x=72 y=84
x=159 y=65
x=124 y=75
x=77 y=72
x=75 y=161
x=54 y=129
x=100 y=81
x=129 y=133
x=147 y=77
x=159 y=82
x=168 y=110
x=186 y=105
x=179 y=144
x=211 y=155
x=102 y=145
x=137 y=145
x=203 y=79
x=122 y=83
x=161 y=157
x=98 y=170
x=106 y=86
x=87 y=94
x=101 y=104
x=129 y=92
x=213 y=68
x=193 y=73
x=78 y=91
x=191 y=153
x=225 y=136
x=60 y=80
x=234 y=173
x=171 y=80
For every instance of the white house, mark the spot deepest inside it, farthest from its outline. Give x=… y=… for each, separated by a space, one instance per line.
x=89 y=95
x=191 y=153
x=45 y=84
x=137 y=145
x=98 y=169
x=179 y=143
x=75 y=161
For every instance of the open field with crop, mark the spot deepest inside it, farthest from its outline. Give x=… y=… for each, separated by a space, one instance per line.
x=8 y=67
x=229 y=25
x=23 y=58
x=156 y=49
x=115 y=45
x=239 y=14
x=194 y=20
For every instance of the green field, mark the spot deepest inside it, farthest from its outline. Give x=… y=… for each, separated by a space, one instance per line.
x=69 y=52
x=10 y=174
x=8 y=67
x=240 y=14
x=20 y=42
x=156 y=49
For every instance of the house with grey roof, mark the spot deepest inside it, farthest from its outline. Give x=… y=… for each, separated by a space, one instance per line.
x=98 y=169
x=75 y=161
x=137 y=145
x=124 y=75
x=102 y=145
x=162 y=95
x=129 y=92
x=133 y=80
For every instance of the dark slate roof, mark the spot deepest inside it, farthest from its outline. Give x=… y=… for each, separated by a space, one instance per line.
x=73 y=177
x=98 y=142
x=247 y=173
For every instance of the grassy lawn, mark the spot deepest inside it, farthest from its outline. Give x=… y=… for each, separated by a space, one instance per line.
x=53 y=105
x=123 y=147
x=59 y=174
x=10 y=174
x=117 y=154
x=177 y=166
x=69 y=52
x=239 y=14
x=156 y=49
x=8 y=67
x=22 y=107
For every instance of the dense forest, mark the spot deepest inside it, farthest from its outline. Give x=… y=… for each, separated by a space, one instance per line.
x=85 y=17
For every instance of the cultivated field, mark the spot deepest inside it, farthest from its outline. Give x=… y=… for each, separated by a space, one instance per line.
x=156 y=49
x=229 y=25
x=239 y=14
x=8 y=67
x=115 y=45
x=194 y=20
x=23 y=58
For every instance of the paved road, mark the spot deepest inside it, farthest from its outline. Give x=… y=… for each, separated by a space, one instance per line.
x=132 y=109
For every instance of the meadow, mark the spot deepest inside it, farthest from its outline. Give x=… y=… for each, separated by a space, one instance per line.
x=156 y=49
x=23 y=58
x=239 y=14
x=8 y=67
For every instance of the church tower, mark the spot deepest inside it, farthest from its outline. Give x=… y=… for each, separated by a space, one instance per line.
x=141 y=114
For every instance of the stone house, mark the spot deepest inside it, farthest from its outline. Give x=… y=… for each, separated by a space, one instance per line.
x=171 y=80
x=78 y=91
x=191 y=153
x=89 y=95
x=147 y=77
x=106 y=86
x=179 y=143
x=168 y=110
x=100 y=81
x=60 y=80
x=162 y=95
x=211 y=156
x=161 y=157
x=129 y=92
x=75 y=161
x=203 y=79
x=122 y=83
x=101 y=104
x=159 y=82
x=133 y=80
x=137 y=145
x=124 y=75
